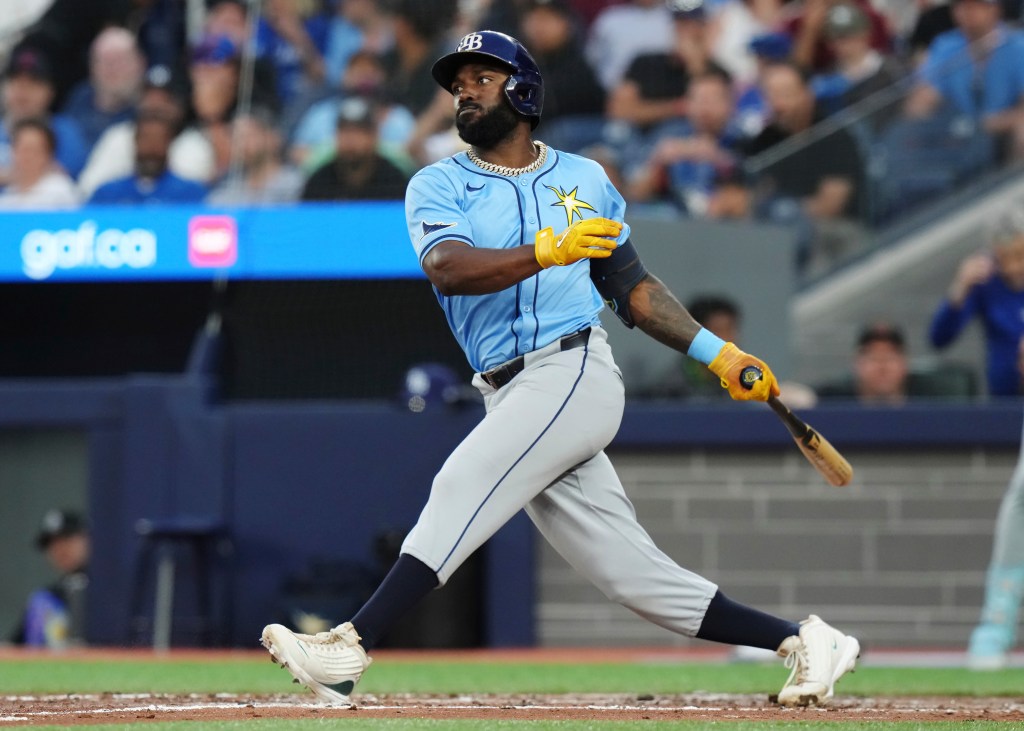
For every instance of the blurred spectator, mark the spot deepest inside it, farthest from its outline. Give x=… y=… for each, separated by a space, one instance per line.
x=806 y=24
x=990 y=286
x=356 y=25
x=66 y=30
x=751 y=108
x=313 y=140
x=860 y=71
x=420 y=27
x=688 y=163
x=420 y=39
x=151 y=182
x=653 y=89
x=215 y=73
x=263 y=178
x=109 y=95
x=28 y=92
x=358 y=171
x=818 y=183
x=719 y=314
x=734 y=24
x=622 y=32
x=570 y=87
x=978 y=70
x=230 y=18
x=190 y=156
x=292 y=35
x=934 y=19
x=54 y=615
x=37 y=182
x=880 y=369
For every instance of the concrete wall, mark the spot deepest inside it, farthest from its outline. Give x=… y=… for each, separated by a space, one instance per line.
x=897 y=558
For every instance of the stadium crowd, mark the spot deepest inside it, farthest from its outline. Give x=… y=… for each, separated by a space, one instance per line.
x=830 y=115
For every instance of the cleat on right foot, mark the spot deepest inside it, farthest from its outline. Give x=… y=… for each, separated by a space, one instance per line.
x=328 y=663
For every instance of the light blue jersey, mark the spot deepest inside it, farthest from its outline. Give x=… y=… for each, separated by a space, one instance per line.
x=453 y=199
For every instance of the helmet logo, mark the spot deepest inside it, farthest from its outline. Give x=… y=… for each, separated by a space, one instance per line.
x=471 y=42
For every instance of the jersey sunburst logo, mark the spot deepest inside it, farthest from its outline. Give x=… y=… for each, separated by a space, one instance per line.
x=570 y=203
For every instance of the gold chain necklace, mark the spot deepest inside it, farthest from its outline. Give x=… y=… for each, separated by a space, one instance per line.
x=542 y=156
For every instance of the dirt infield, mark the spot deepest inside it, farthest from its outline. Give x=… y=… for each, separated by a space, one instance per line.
x=135 y=708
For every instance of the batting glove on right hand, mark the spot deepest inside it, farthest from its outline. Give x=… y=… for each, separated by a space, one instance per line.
x=591 y=238
x=747 y=378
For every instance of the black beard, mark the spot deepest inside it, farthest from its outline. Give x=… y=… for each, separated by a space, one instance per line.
x=489 y=128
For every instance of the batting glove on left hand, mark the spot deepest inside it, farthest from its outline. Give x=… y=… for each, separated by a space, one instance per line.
x=591 y=238
x=737 y=371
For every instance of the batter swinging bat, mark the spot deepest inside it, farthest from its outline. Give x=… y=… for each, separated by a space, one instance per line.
x=818 y=451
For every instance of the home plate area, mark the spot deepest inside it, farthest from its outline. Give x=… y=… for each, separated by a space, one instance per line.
x=134 y=708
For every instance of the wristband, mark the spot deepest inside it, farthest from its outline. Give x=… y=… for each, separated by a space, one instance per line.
x=705 y=346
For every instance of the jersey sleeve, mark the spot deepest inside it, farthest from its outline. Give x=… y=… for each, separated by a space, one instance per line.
x=616 y=205
x=433 y=213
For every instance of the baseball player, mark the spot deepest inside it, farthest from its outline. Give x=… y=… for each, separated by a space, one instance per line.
x=524 y=245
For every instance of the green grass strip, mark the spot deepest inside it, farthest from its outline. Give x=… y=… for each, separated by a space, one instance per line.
x=69 y=675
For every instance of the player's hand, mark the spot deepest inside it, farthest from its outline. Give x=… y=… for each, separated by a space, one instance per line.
x=732 y=364
x=591 y=238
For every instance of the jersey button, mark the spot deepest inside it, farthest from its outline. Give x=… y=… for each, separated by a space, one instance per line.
x=524 y=182
x=533 y=220
x=527 y=308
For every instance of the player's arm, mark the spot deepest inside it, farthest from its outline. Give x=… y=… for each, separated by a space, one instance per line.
x=456 y=268
x=657 y=312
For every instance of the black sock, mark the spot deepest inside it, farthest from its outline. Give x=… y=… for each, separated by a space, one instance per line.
x=734 y=624
x=408 y=581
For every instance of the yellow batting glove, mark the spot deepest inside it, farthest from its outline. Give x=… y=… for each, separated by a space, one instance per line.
x=591 y=238
x=747 y=378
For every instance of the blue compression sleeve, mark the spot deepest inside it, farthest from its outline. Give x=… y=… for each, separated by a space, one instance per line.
x=705 y=346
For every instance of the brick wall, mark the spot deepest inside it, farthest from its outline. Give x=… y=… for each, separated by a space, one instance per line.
x=897 y=558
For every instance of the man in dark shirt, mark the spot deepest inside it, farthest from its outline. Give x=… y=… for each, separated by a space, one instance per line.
x=822 y=171
x=654 y=87
x=357 y=171
x=570 y=87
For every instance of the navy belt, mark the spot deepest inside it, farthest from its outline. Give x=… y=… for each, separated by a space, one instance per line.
x=501 y=375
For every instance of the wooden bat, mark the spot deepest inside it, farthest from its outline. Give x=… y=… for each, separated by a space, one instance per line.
x=818 y=451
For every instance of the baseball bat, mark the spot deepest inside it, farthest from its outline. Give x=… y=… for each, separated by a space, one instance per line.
x=819 y=451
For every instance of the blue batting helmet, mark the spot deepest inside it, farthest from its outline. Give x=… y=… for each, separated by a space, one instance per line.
x=524 y=88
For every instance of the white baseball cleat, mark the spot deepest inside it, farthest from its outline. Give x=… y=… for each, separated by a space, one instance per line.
x=328 y=663
x=819 y=656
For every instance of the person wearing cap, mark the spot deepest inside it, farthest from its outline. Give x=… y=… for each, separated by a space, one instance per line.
x=116 y=73
x=860 y=71
x=879 y=372
x=806 y=24
x=653 y=89
x=53 y=615
x=28 y=91
x=151 y=181
x=312 y=143
x=976 y=69
x=357 y=171
x=752 y=111
x=190 y=156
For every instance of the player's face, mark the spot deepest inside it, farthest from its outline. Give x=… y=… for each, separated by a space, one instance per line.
x=482 y=114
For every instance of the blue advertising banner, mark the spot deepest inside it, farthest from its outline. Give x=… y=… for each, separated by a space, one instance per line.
x=365 y=240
